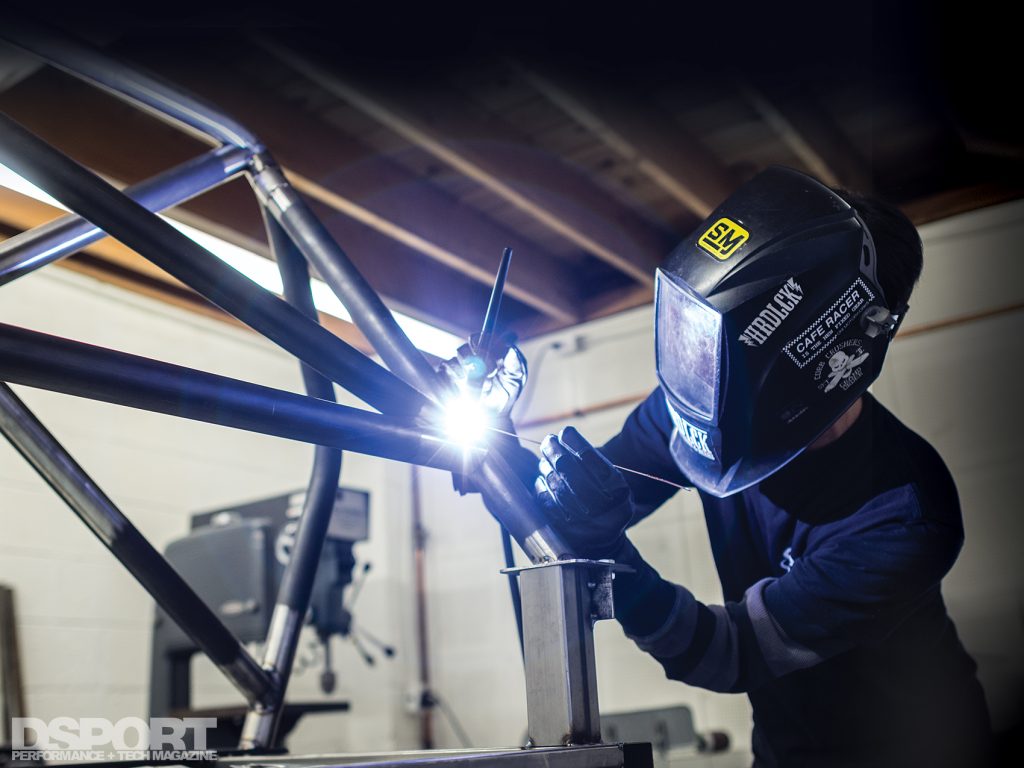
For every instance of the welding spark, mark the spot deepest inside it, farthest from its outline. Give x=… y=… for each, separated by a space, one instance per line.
x=466 y=420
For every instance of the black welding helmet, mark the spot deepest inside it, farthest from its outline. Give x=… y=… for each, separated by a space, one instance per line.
x=769 y=324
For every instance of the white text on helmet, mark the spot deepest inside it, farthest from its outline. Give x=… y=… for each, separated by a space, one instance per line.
x=771 y=317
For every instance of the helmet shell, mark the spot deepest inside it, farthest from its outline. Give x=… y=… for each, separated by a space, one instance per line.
x=790 y=268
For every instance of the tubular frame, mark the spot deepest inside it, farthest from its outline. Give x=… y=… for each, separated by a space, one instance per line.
x=407 y=395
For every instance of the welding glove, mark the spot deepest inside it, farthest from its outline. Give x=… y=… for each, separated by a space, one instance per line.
x=585 y=498
x=499 y=372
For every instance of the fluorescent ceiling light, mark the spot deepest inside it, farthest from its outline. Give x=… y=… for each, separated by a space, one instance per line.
x=264 y=273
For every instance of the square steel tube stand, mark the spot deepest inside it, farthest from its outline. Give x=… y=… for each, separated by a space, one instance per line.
x=561 y=601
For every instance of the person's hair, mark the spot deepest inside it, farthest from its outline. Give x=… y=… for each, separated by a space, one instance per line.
x=897 y=244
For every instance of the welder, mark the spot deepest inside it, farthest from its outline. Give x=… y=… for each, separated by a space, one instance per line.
x=832 y=524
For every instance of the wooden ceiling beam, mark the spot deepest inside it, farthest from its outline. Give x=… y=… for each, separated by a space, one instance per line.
x=602 y=305
x=811 y=133
x=613 y=302
x=541 y=285
x=545 y=189
x=353 y=179
x=639 y=132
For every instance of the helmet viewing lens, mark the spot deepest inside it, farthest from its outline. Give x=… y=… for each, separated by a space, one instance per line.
x=688 y=342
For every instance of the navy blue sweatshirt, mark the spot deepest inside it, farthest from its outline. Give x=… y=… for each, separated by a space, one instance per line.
x=833 y=621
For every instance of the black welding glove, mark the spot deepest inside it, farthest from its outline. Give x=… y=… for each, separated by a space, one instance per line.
x=495 y=371
x=586 y=499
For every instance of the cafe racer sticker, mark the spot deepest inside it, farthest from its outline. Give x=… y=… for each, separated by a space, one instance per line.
x=843 y=366
x=723 y=238
x=823 y=331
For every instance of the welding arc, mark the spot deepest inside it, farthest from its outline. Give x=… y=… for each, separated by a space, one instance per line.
x=617 y=466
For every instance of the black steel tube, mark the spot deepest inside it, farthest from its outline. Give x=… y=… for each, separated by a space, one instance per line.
x=49 y=458
x=61 y=365
x=261 y=725
x=145 y=232
x=513 y=505
x=368 y=311
x=50 y=242
x=126 y=82
x=297 y=582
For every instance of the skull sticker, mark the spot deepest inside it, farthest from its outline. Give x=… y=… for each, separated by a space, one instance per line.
x=842 y=367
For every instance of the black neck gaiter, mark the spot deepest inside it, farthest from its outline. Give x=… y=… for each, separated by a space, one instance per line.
x=826 y=484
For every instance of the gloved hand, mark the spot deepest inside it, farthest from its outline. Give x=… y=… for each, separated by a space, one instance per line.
x=586 y=499
x=497 y=371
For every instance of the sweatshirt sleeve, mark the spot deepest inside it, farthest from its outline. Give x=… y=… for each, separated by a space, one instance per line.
x=851 y=591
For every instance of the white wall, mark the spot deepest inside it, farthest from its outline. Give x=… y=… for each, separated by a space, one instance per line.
x=958 y=387
x=84 y=623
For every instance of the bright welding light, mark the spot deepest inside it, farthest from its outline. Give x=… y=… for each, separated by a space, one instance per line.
x=264 y=272
x=466 y=420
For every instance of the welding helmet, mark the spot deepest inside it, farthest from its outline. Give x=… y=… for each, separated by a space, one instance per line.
x=769 y=324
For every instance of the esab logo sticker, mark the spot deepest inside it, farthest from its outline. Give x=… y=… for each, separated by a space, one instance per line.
x=723 y=238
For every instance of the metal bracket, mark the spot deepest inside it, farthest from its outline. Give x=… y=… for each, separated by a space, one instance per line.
x=561 y=601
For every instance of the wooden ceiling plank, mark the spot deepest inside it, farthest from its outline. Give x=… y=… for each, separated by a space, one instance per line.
x=639 y=132
x=543 y=291
x=602 y=305
x=812 y=135
x=617 y=301
x=560 y=219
